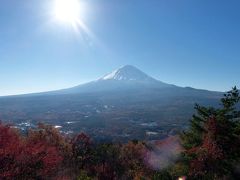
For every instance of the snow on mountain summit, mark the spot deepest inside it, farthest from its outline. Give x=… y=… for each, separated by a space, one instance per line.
x=127 y=73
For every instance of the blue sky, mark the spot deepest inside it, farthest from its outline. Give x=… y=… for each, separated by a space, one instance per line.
x=188 y=43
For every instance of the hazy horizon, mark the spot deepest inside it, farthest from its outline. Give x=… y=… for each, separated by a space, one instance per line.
x=100 y=77
x=184 y=43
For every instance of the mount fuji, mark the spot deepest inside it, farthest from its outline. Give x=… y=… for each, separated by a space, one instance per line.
x=125 y=78
x=128 y=73
x=124 y=104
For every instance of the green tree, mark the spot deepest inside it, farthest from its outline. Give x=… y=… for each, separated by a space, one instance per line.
x=212 y=143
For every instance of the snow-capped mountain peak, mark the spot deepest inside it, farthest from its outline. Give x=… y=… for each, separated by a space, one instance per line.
x=127 y=73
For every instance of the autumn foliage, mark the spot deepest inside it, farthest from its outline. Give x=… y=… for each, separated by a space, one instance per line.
x=26 y=159
x=45 y=153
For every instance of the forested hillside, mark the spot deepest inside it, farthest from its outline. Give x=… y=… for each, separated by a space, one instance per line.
x=209 y=149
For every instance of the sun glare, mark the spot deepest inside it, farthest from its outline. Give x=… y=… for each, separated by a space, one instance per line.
x=72 y=12
x=67 y=10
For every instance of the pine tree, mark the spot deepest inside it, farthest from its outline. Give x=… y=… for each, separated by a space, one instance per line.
x=212 y=143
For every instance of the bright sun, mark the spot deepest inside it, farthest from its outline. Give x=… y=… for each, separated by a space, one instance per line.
x=67 y=10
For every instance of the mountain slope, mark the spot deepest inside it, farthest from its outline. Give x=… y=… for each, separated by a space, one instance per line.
x=124 y=104
x=125 y=78
x=128 y=73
